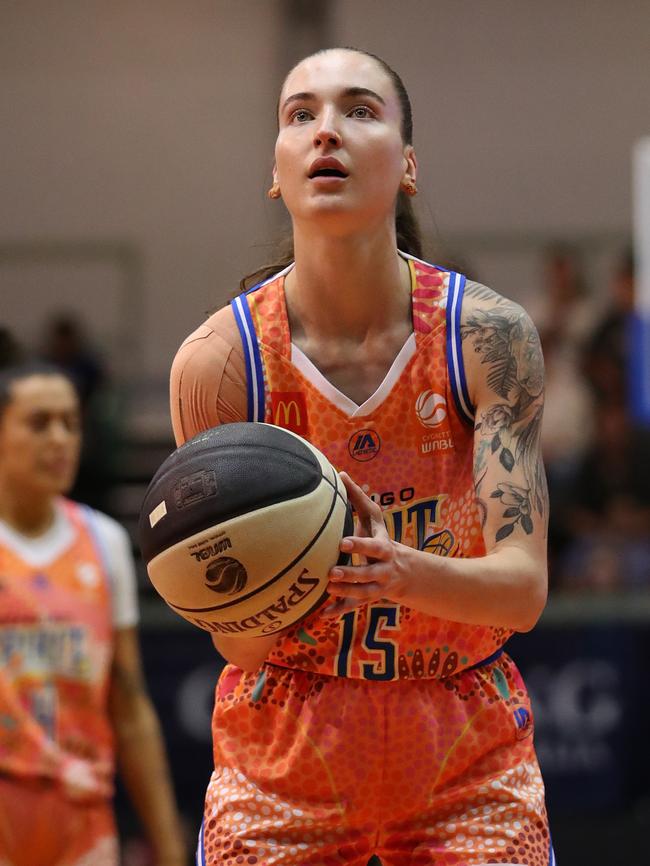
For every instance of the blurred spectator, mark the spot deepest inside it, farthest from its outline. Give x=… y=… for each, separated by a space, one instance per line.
x=564 y=315
x=66 y=345
x=609 y=511
x=606 y=351
x=10 y=351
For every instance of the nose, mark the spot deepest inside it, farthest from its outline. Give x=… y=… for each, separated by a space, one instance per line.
x=59 y=433
x=327 y=135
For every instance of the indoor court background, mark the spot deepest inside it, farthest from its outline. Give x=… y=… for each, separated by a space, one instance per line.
x=135 y=154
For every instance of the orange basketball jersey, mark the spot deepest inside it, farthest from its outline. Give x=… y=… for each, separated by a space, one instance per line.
x=410 y=446
x=55 y=656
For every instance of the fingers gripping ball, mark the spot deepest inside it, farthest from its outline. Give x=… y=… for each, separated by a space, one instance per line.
x=240 y=526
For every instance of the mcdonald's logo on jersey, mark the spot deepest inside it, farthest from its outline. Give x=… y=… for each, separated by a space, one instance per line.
x=289 y=410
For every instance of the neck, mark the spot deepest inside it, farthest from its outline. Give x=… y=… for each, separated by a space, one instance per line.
x=347 y=287
x=29 y=515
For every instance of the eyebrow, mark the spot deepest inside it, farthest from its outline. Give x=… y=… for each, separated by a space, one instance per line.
x=306 y=96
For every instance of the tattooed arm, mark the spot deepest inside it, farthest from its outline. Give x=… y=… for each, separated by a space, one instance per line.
x=505 y=374
x=505 y=371
x=507 y=586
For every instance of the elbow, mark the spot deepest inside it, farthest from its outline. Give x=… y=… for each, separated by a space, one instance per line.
x=535 y=602
x=248 y=655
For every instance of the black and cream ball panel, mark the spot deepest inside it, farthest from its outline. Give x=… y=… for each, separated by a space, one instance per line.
x=240 y=526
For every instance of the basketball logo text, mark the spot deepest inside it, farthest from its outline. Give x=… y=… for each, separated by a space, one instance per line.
x=211 y=549
x=268 y=618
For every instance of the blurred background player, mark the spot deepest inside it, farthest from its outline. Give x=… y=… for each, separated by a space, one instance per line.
x=72 y=694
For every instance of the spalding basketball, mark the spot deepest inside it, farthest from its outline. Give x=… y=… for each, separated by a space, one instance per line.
x=240 y=526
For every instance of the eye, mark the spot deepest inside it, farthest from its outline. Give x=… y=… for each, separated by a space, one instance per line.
x=301 y=115
x=38 y=422
x=72 y=422
x=361 y=111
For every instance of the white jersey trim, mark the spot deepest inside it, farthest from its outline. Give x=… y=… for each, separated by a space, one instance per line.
x=311 y=372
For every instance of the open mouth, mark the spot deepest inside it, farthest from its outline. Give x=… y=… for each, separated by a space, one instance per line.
x=327 y=172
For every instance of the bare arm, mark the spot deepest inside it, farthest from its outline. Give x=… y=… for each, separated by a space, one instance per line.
x=507 y=586
x=208 y=378
x=208 y=388
x=141 y=753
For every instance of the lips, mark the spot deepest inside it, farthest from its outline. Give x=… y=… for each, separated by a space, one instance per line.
x=58 y=465
x=327 y=167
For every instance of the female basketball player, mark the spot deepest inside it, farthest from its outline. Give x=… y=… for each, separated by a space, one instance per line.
x=70 y=677
x=391 y=722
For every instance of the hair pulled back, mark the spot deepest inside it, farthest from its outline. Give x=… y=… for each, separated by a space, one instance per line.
x=20 y=370
x=407 y=230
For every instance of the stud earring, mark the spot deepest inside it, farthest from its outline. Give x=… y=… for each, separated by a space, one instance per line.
x=274 y=192
x=409 y=187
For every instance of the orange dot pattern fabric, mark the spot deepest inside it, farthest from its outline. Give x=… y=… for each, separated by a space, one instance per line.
x=413 y=453
x=311 y=769
x=55 y=653
x=389 y=731
x=56 y=638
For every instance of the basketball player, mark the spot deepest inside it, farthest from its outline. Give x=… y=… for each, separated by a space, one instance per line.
x=389 y=722
x=71 y=685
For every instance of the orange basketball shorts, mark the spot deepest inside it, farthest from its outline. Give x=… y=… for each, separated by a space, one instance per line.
x=40 y=827
x=320 y=770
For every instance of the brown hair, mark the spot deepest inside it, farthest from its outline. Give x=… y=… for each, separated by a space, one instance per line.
x=25 y=370
x=407 y=230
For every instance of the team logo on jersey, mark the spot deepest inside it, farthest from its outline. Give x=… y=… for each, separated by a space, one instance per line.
x=440 y=543
x=364 y=445
x=289 y=410
x=431 y=409
x=226 y=575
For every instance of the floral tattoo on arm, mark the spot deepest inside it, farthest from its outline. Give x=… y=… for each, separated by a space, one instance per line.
x=508 y=343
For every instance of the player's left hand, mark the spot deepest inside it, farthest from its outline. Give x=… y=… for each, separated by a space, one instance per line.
x=378 y=576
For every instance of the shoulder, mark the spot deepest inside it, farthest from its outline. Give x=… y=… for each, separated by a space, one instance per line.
x=500 y=342
x=208 y=377
x=117 y=554
x=479 y=297
x=111 y=534
x=219 y=334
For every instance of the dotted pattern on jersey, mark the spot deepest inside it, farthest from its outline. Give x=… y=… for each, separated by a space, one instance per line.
x=56 y=646
x=420 y=471
x=328 y=770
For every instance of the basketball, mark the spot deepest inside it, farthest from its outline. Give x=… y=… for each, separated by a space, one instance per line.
x=240 y=526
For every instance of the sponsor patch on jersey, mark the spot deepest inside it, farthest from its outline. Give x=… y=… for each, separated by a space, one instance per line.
x=289 y=410
x=364 y=445
x=431 y=412
x=431 y=409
